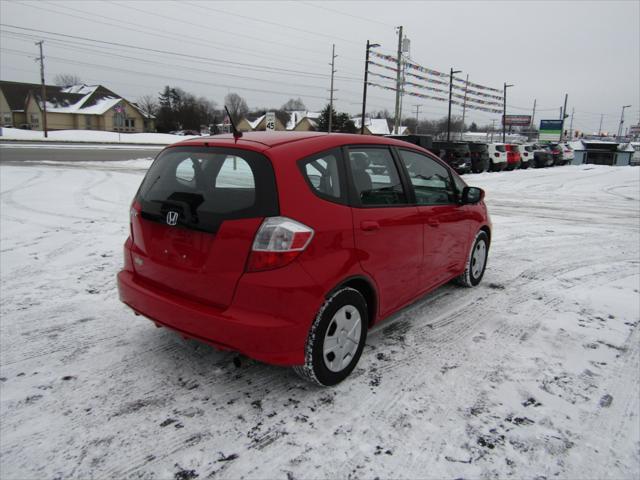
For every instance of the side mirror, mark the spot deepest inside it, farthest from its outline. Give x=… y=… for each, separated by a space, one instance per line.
x=472 y=195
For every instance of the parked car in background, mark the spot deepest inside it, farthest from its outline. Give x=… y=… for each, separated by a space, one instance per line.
x=288 y=247
x=556 y=152
x=635 y=158
x=498 y=156
x=567 y=153
x=514 y=160
x=542 y=157
x=424 y=141
x=480 y=161
x=456 y=154
x=526 y=153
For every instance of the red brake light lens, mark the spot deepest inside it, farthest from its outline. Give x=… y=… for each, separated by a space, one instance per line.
x=278 y=242
x=496 y=154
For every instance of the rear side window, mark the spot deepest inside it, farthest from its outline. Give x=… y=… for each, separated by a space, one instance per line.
x=431 y=181
x=375 y=177
x=323 y=174
x=207 y=185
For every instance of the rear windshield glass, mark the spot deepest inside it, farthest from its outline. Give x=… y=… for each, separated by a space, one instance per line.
x=500 y=148
x=207 y=185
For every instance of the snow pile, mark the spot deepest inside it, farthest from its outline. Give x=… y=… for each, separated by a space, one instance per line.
x=92 y=136
x=533 y=374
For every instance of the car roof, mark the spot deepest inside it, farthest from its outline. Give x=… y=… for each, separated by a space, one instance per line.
x=301 y=142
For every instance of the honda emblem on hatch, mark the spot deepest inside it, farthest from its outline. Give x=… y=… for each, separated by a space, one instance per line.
x=172 y=218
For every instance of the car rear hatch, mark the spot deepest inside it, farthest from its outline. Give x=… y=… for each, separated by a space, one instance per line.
x=195 y=216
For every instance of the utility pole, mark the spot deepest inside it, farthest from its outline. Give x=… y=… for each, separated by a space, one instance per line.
x=464 y=104
x=533 y=117
x=622 y=120
x=451 y=72
x=563 y=115
x=364 y=92
x=573 y=111
x=504 y=112
x=44 y=89
x=418 y=107
x=600 y=127
x=493 y=128
x=333 y=71
x=396 y=123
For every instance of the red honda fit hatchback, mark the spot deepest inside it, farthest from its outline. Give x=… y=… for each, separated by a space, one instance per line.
x=287 y=247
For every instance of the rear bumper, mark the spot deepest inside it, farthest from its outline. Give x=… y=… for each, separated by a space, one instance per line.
x=248 y=329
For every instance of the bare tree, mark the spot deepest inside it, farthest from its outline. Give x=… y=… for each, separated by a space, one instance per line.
x=148 y=104
x=293 y=104
x=237 y=106
x=67 y=79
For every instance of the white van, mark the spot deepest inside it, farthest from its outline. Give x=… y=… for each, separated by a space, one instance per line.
x=498 y=156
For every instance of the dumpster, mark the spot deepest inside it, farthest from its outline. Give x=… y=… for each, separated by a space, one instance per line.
x=600 y=153
x=624 y=154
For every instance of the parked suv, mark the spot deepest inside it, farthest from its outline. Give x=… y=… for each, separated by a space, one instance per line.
x=556 y=152
x=514 y=160
x=527 y=153
x=542 y=157
x=456 y=154
x=287 y=247
x=498 y=156
x=480 y=161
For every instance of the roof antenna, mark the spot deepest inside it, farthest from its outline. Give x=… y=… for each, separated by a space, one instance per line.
x=236 y=133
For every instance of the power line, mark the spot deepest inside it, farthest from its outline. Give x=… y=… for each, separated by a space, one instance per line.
x=268 y=22
x=155 y=75
x=168 y=52
x=148 y=61
x=358 y=17
x=171 y=36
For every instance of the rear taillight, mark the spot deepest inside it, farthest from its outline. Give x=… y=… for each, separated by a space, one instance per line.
x=134 y=211
x=496 y=154
x=278 y=242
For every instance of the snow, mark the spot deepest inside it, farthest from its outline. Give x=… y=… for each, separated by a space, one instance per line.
x=255 y=122
x=532 y=374
x=101 y=106
x=92 y=136
x=296 y=116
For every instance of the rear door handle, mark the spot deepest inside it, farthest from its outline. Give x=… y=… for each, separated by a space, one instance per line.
x=369 y=225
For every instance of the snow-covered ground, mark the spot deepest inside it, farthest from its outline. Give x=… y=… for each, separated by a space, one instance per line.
x=533 y=374
x=91 y=136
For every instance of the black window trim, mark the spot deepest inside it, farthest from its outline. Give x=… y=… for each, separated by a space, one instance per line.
x=436 y=159
x=337 y=152
x=354 y=198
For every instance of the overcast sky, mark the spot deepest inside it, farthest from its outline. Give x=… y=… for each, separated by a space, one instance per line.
x=590 y=50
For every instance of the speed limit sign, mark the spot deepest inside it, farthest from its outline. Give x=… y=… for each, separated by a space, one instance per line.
x=270 y=121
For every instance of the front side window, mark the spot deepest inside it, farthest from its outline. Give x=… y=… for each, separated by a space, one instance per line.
x=431 y=181
x=321 y=172
x=375 y=177
x=207 y=186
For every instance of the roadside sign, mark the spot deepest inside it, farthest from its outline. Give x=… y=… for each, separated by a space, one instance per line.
x=516 y=120
x=550 y=130
x=270 y=121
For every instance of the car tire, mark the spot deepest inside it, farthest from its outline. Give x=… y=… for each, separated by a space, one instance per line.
x=341 y=324
x=477 y=261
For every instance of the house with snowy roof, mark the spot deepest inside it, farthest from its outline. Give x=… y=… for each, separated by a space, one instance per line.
x=297 y=120
x=377 y=126
x=77 y=107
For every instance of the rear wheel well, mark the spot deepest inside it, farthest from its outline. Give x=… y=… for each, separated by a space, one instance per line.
x=486 y=230
x=369 y=294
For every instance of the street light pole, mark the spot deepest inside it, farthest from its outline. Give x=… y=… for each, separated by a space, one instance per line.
x=451 y=72
x=504 y=113
x=622 y=120
x=364 y=92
